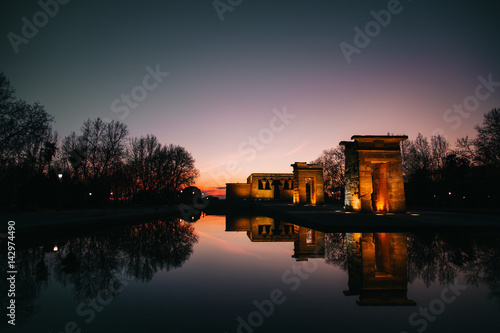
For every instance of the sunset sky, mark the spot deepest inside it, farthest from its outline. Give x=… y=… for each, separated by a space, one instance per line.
x=257 y=85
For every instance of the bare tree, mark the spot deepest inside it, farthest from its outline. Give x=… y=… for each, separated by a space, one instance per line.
x=487 y=143
x=141 y=155
x=26 y=136
x=417 y=155
x=180 y=169
x=6 y=92
x=333 y=161
x=101 y=147
x=27 y=147
x=159 y=169
x=439 y=151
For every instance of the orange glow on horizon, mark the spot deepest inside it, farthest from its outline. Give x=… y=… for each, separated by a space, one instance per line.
x=210 y=190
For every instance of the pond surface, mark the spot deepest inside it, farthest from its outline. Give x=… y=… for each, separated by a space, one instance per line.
x=255 y=274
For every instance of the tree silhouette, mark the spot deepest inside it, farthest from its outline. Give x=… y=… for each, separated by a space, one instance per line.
x=333 y=161
x=27 y=146
x=485 y=148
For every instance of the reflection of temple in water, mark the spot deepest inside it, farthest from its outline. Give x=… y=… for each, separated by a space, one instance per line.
x=308 y=243
x=377 y=267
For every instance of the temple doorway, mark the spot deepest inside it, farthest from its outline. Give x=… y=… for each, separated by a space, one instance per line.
x=380 y=200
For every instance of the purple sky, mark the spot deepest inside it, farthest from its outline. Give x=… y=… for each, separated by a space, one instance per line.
x=226 y=77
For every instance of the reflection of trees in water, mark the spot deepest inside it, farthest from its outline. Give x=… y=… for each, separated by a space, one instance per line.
x=336 y=250
x=440 y=257
x=31 y=279
x=156 y=246
x=93 y=263
x=88 y=263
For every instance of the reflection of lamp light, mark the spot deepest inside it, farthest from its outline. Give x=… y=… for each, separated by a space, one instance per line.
x=55 y=248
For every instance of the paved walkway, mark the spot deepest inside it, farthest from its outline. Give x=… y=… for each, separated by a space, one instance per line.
x=326 y=218
x=330 y=218
x=67 y=220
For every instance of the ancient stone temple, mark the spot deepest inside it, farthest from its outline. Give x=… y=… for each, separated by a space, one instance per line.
x=377 y=268
x=303 y=186
x=373 y=174
x=263 y=186
x=308 y=184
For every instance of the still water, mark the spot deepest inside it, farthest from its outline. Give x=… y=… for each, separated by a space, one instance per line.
x=255 y=274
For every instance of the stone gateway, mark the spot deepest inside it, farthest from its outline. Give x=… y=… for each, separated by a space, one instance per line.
x=373 y=174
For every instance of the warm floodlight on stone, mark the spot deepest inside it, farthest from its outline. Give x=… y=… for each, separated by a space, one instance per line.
x=373 y=174
x=308 y=184
x=303 y=187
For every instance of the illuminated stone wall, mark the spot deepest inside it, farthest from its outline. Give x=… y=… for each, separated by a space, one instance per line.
x=271 y=186
x=303 y=193
x=373 y=174
x=304 y=186
x=237 y=191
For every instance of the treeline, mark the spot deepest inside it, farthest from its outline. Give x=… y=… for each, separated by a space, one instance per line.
x=435 y=174
x=98 y=165
x=465 y=176
x=439 y=257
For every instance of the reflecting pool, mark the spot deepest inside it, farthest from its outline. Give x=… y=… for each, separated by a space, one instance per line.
x=256 y=274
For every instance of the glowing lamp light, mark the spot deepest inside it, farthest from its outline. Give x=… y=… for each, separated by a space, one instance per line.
x=90 y=194
x=59 y=175
x=449 y=193
x=55 y=249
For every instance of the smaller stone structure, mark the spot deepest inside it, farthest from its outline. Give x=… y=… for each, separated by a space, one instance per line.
x=308 y=184
x=303 y=186
x=373 y=174
x=263 y=186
